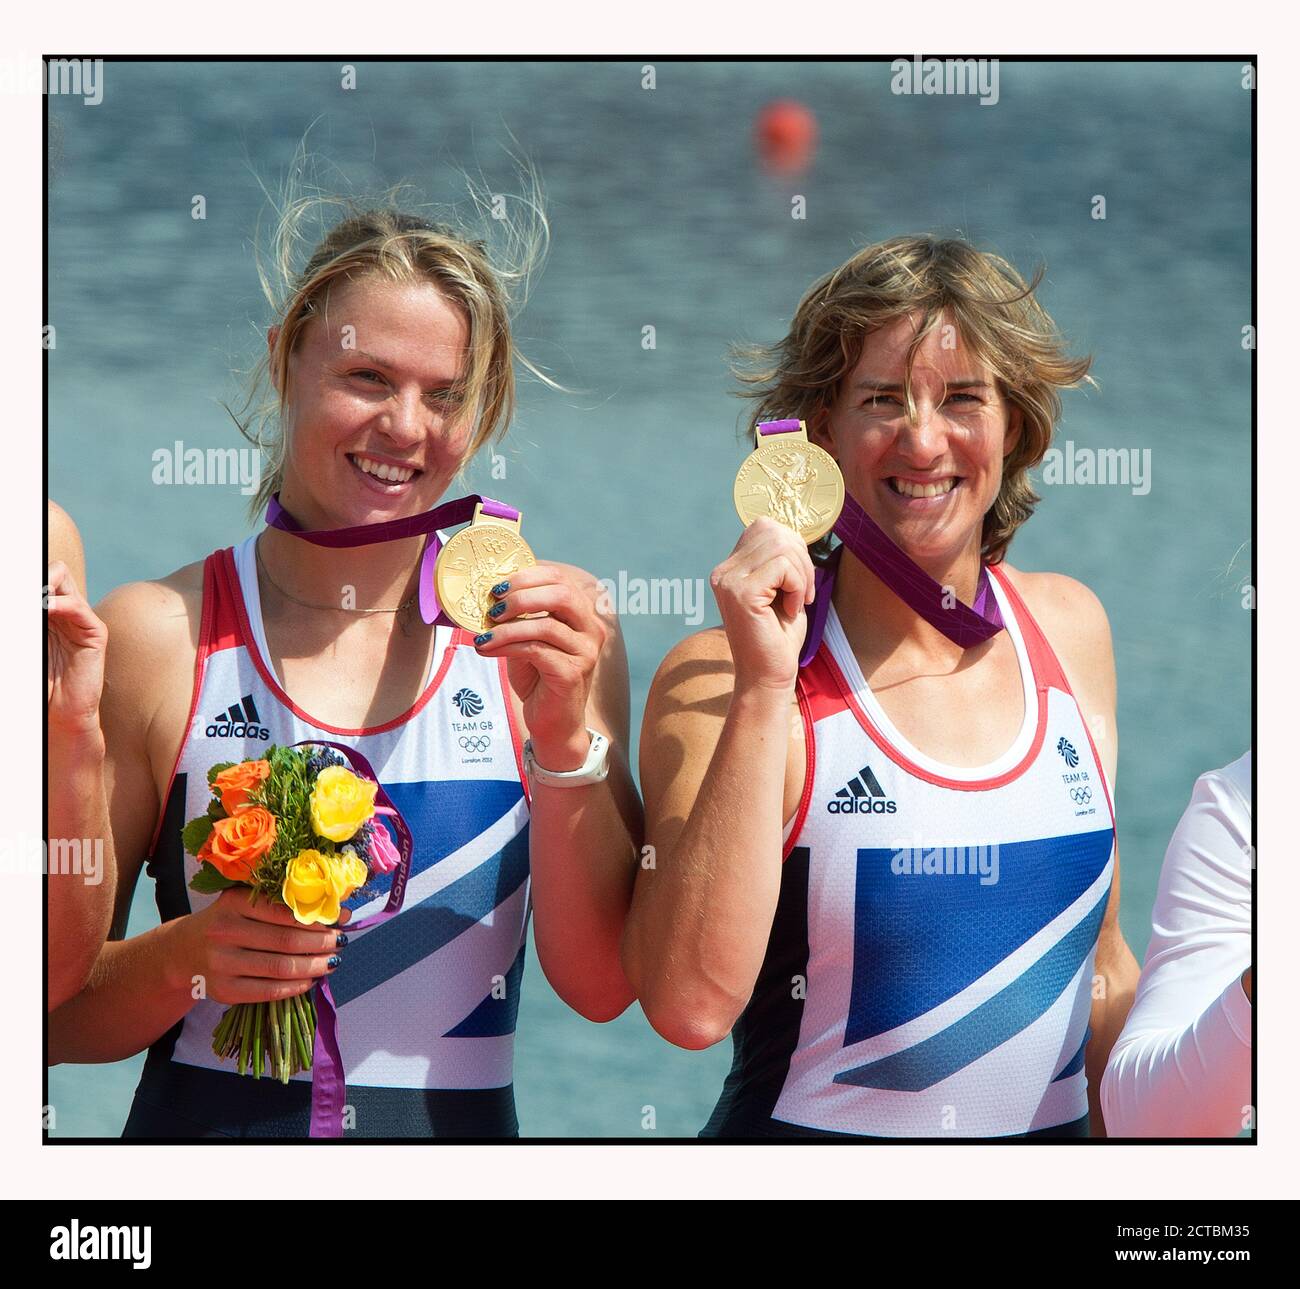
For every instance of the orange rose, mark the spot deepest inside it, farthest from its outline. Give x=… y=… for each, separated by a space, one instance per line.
x=236 y=783
x=235 y=845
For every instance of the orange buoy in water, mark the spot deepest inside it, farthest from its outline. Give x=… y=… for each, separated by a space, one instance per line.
x=786 y=134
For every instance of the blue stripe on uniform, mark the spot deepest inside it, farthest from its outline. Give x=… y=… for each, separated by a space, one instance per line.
x=1075 y=1063
x=1004 y=1015
x=495 y=1015
x=447 y=813
x=423 y=928
x=921 y=938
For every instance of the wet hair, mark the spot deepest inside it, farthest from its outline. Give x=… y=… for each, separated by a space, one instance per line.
x=996 y=313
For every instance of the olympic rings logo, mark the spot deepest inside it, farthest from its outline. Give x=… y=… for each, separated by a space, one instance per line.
x=474 y=742
x=1081 y=796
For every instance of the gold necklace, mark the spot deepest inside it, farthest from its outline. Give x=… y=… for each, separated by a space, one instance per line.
x=337 y=608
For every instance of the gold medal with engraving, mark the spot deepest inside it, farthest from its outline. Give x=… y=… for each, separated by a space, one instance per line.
x=473 y=561
x=790 y=479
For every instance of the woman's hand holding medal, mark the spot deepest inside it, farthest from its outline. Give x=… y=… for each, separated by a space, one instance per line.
x=788 y=492
x=762 y=590
x=544 y=622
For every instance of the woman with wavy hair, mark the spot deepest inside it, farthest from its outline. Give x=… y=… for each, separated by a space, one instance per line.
x=884 y=845
x=391 y=363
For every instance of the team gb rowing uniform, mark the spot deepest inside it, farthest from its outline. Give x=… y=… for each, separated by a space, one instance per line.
x=427 y=1000
x=929 y=968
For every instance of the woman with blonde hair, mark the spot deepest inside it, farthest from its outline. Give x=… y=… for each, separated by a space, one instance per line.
x=879 y=799
x=392 y=363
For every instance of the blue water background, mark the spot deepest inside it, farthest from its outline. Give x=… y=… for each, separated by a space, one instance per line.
x=661 y=216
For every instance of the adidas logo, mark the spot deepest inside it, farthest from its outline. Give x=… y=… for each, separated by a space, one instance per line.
x=239 y=722
x=862 y=795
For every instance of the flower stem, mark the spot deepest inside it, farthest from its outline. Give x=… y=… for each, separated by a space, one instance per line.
x=277 y=1046
x=221 y=1035
x=306 y=1030
x=290 y=1044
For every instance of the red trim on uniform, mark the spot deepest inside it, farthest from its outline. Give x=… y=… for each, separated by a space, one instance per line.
x=818 y=685
x=504 y=677
x=211 y=625
x=941 y=781
x=1042 y=658
x=1101 y=770
x=225 y=616
x=1048 y=669
x=1044 y=670
x=810 y=764
x=228 y=577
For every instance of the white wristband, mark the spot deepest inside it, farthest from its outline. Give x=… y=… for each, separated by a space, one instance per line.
x=592 y=770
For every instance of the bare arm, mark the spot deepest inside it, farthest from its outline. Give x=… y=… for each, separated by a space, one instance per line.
x=230 y=951
x=79 y=859
x=132 y=996
x=713 y=763
x=714 y=749
x=568 y=671
x=1115 y=977
x=1073 y=616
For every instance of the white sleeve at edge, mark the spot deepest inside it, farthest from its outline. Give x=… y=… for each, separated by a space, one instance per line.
x=1181 y=1066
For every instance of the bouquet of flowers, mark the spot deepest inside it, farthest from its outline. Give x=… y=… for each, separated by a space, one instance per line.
x=297 y=826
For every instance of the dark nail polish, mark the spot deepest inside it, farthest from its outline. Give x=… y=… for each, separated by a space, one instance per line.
x=341 y=940
x=334 y=962
x=483 y=639
x=497 y=609
x=500 y=588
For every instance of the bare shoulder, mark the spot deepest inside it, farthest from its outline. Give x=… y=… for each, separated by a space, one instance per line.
x=686 y=711
x=153 y=633
x=695 y=681
x=144 y=612
x=64 y=541
x=1074 y=621
x=61 y=529
x=1062 y=599
x=697 y=673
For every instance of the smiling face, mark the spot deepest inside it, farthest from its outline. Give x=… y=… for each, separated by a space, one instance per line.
x=373 y=432
x=929 y=482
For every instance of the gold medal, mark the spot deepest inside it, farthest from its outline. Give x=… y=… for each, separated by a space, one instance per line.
x=473 y=561
x=794 y=481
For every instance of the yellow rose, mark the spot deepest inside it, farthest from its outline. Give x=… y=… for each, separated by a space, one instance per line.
x=350 y=871
x=341 y=803
x=315 y=885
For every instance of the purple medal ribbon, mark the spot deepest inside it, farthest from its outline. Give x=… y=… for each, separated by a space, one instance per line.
x=965 y=625
x=328 y=1077
x=329 y=1084
x=444 y=516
